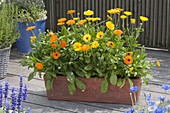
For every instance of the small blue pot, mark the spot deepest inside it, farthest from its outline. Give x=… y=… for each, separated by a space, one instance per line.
x=23 y=43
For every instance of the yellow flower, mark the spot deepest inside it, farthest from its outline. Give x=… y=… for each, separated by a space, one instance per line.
x=120 y=9
x=113 y=11
x=71 y=11
x=70 y=22
x=75 y=19
x=60 y=24
x=143 y=19
x=88 y=12
x=109 y=17
x=158 y=63
x=99 y=35
x=128 y=13
x=111 y=44
x=123 y=16
x=77 y=46
x=30 y=28
x=95 y=44
x=32 y=39
x=96 y=19
x=110 y=25
x=89 y=19
x=87 y=37
x=50 y=33
x=129 y=53
x=131 y=69
x=132 y=20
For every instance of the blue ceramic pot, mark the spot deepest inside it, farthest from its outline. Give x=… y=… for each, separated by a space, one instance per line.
x=23 y=43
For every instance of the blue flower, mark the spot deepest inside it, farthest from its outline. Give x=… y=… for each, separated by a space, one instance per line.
x=151 y=103
x=134 y=89
x=130 y=111
x=1 y=95
x=6 y=89
x=28 y=110
x=7 y=106
x=159 y=110
x=168 y=101
x=162 y=98
x=166 y=87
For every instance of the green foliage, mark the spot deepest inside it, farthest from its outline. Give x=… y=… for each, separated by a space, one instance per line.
x=103 y=55
x=30 y=10
x=8 y=25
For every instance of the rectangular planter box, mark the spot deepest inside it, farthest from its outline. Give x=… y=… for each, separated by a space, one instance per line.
x=92 y=93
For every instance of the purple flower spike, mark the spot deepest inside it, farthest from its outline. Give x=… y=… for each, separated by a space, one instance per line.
x=162 y=98
x=25 y=92
x=7 y=106
x=166 y=87
x=6 y=89
x=1 y=95
x=28 y=110
x=14 y=99
x=134 y=89
x=159 y=110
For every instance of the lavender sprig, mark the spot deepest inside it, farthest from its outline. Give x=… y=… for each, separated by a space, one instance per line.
x=14 y=100
x=1 y=95
x=6 y=90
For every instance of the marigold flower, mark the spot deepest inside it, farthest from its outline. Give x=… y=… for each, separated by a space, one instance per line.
x=33 y=38
x=70 y=22
x=61 y=20
x=60 y=24
x=95 y=44
x=56 y=55
x=39 y=66
x=133 y=20
x=71 y=11
x=158 y=63
x=118 y=32
x=89 y=19
x=143 y=19
x=128 y=60
x=109 y=17
x=54 y=46
x=87 y=37
x=88 y=12
x=81 y=22
x=131 y=69
x=111 y=44
x=53 y=38
x=85 y=47
x=99 y=35
x=30 y=28
x=77 y=46
x=96 y=19
x=128 y=13
x=75 y=19
x=110 y=25
x=129 y=53
x=120 y=9
x=63 y=44
x=113 y=11
x=123 y=16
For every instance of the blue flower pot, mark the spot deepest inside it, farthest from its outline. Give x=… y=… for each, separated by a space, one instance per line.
x=23 y=43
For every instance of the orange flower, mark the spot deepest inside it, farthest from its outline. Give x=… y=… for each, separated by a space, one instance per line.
x=129 y=53
x=71 y=11
x=70 y=22
x=85 y=47
x=81 y=22
x=118 y=32
x=30 y=28
x=39 y=66
x=53 y=38
x=61 y=20
x=56 y=55
x=54 y=45
x=128 y=60
x=63 y=44
x=60 y=24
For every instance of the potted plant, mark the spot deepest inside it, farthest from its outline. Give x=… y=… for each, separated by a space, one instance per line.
x=94 y=59
x=30 y=13
x=8 y=34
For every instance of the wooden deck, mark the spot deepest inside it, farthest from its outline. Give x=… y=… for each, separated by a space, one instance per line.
x=39 y=103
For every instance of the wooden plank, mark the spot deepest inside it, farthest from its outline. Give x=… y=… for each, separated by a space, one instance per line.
x=168 y=25
x=147 y=30
x=152 y=22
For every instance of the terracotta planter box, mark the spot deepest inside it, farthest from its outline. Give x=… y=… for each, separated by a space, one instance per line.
x=93 y=91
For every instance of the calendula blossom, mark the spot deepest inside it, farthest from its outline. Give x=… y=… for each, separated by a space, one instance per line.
x=128 y=13
x=113 y=11
x=123 y=16
x=96 y=19
x=95 y=44
x=30 y=28
x=75 y=19
x=77 y=46
x=118 y=32
x=85 y=47
x=109 y=17
x=87 y=37
x=63 y=44
x=60 y=24
x=143 y=19
x=53 y=38
x=39 y=66
x=61 y=20
x=70 y=22
x=120 y=9
x=88 y=12
x=111 y=44
x=71 y=11
x=110 y=25
x=89 y=19
x=50 y=33
x=128 y=60
x=81 y=22
x=56 y=55
x=133 y=20
x=99 y=35
x=129 y=53
x=54 y=46
x=33 y=38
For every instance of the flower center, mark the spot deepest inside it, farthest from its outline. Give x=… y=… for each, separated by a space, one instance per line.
x=128 y=60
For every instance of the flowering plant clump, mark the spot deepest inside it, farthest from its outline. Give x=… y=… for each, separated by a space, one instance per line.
x=90 y=47
x=162 y=105
x=17 y=97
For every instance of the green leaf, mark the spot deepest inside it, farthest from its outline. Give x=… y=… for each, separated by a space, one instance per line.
x=123 y=83
x=31 y=76
x=99 y=71
x=119 y=82
x=88 y=67
x=88 y=75
x=87 y=60
x=71 y=88
x=79 y=73
x=70 y=77
x=113 y=78
x=80 y=85
x=130 y=82
x=48 y=84
x=104 y=86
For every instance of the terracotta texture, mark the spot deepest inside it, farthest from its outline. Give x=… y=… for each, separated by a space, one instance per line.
x=93 y=91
